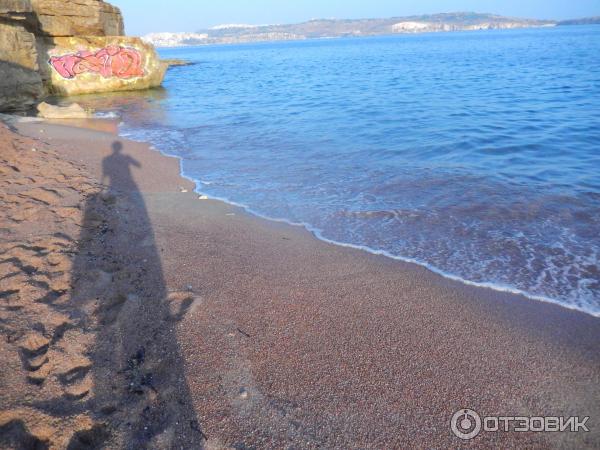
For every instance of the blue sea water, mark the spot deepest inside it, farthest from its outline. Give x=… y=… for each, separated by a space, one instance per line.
x=476 y=154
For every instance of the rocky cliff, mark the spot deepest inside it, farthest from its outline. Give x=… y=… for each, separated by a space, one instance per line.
x=78 y=18
x=68 y=47
x=20 y=80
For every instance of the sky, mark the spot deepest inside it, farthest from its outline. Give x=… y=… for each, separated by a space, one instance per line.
x=146 y=16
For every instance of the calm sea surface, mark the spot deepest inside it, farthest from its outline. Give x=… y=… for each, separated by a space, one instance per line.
x=476 y=154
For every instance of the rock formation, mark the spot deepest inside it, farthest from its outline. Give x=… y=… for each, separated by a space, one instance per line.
x=84 y=65
x=73 y=111
x=20 y=80
x=69 y=47
x=78 y=18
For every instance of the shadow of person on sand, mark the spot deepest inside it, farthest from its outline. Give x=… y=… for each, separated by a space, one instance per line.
x=138 y=396
x=117 y=167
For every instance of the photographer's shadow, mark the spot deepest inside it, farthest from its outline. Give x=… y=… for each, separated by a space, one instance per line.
x=139 y=386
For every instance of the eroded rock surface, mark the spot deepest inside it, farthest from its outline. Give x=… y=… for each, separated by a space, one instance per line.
x=78 y=18
x=85 y=38
x=20 y=80
x=84 y=65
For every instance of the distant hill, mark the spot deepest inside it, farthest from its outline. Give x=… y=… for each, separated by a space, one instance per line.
x=584 y=21
x=329 y=28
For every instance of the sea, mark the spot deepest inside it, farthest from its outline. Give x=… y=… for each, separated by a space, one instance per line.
x=475 y=154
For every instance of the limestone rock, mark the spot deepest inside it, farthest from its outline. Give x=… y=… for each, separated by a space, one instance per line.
x=10 y=7
x=18 y=46
x=20 y=88
x=175 y=62
x=21 y=84
x=20 y=81
x=78 y=18
x=83 y=65
x=40 y=52
x=73 y=111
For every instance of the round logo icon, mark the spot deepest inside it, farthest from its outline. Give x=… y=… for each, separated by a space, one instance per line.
x=466 y=424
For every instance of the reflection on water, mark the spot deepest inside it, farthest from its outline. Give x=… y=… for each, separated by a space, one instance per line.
x=128 y=102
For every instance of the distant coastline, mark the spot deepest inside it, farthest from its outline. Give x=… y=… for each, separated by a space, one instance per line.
x=333 y=28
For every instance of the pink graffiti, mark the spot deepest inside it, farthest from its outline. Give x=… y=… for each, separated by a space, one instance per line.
x=111 y=61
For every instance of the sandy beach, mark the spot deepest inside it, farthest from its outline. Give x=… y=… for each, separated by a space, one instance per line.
x=135 y=314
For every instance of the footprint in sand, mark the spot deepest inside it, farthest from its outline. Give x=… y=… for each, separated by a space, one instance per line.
x=14 y=433
x=43 y=195
x=181 y=303
x=75 y=378
x=34 y=349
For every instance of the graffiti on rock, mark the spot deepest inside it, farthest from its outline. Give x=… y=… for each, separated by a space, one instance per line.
x=111 y=61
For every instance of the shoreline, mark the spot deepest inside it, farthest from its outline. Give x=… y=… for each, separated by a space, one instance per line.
x=290 y=339
x=382 y=35
x=317 y=234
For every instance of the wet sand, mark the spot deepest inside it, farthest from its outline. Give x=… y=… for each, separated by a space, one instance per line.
x=201 y=325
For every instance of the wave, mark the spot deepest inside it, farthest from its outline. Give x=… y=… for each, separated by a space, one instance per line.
x=318 y=233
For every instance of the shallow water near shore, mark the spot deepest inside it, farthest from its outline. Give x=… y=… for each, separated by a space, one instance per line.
x=476 y=154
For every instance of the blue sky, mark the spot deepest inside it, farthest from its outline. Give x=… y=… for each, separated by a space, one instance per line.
x=144 y=16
